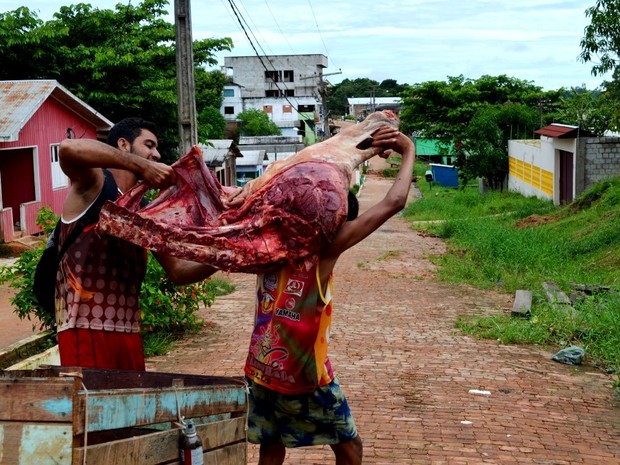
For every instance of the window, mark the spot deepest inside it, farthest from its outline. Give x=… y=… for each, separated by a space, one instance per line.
x=280 y=93
x=288 y=75
x=229 y=92
x=229 y=110
x=306 y=108
x=59 y=178
x=275 y=76
x=268 y=109
x=287 y=109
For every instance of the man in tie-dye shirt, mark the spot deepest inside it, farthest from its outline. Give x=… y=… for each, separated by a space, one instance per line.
x=295 y=400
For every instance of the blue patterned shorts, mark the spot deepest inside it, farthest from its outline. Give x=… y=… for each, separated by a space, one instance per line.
x=321 y=417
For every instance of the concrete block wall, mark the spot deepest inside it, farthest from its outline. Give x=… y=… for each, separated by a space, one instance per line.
x=601 y=159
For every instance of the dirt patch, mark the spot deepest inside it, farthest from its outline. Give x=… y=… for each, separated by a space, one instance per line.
x=13 y=249
x=535 y=220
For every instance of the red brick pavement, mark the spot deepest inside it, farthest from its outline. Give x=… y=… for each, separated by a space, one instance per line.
x=407 y=371
x=12 y=328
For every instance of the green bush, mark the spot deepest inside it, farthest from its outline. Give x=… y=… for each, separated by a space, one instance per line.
x=170 y=308
x=20 y=276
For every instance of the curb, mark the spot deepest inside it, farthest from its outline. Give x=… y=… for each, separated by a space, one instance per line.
x=32 y=346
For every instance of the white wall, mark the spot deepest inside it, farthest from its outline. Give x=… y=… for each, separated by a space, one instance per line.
x=524 y=157
x=535 y=166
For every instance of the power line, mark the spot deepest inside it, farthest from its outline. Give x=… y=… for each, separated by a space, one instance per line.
x=284 y=36
x=241 y=20
x=241 y=17
x=238 y=14
x=247 y=14
x=236 y=10
x=317 y=27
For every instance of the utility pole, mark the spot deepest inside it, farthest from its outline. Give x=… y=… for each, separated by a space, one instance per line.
x=323 y=96
x=373 y=94
x=186 y=90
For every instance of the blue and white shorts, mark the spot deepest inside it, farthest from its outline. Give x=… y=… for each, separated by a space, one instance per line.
x=317 y=418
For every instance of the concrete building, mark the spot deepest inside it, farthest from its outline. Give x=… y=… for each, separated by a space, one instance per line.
x=361 y=107
x=286 y=87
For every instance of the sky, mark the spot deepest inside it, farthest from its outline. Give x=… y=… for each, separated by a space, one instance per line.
x=411 y=41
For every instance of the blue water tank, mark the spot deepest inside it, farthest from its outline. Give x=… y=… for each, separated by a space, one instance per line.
x=445 y=175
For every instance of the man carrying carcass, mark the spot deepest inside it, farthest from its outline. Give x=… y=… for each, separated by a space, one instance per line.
x=295 y=399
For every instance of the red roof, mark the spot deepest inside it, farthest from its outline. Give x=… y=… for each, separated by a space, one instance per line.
x=561 y=131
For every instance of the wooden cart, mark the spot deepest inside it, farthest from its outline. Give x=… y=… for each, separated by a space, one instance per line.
x=72 y=416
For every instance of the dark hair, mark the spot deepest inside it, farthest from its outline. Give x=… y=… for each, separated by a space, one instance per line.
x=353 y=206
x=129 y=129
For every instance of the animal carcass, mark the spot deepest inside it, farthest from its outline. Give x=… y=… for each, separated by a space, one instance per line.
x=289 y=213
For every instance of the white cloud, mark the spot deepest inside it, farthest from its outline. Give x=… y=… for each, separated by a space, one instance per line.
x=411 y=41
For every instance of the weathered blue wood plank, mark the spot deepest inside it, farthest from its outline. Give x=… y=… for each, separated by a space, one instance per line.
x=37 y=399
x=124 y=408
x=35 y=443
x=48 y=444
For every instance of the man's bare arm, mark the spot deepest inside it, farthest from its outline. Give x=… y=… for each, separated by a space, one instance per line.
x=394 y=201
x=184 y=271
x=81 y=158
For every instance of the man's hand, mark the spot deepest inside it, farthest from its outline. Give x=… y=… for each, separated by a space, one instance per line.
x=391 y=139
x=236 y=198
x=158 y=175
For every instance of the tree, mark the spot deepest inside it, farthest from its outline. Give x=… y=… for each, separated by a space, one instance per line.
x=601 y=38
x=391 y=88
x=211 y=124
x=438 y=109
x=610 y=101
x=590 y=110
x=337 y=102
x=121 y=62
x=209 y=87
x=483 y=152
x=257 y=123
x=442 y=110
x=478 y=117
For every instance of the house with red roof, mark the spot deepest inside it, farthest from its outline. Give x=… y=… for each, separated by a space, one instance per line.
x=35 y=116
x=564 y=162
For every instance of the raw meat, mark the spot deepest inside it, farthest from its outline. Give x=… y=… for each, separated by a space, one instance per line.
x=289 y=213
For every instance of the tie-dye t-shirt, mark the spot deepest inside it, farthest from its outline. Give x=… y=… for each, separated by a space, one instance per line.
x=288 y=349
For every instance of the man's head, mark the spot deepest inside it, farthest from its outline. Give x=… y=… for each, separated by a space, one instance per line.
x=135 y=135
x=353 y=208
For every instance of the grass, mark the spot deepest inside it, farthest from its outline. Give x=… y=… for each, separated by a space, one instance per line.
x=158 y=343
x=221 y=286
x=504 y=240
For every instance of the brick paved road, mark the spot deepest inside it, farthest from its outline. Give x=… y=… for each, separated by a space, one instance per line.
x=12 y=328
x=407 y=372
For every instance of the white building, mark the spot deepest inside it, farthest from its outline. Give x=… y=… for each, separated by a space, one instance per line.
x=562 y=164
x=361 y=107
x=220 y=157
x=286 y=87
